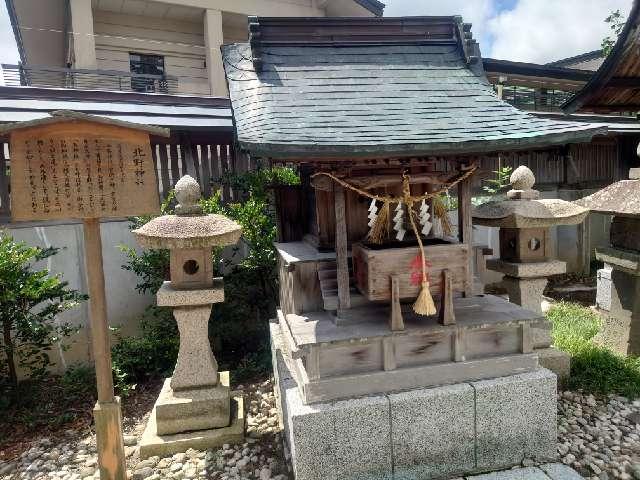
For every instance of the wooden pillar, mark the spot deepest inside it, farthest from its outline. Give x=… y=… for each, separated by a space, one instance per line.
x=342 y=260
x=396 y=322
x=107 y=413
x=465 y=230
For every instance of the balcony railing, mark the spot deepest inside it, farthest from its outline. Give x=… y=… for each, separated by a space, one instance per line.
x=534 y=99
x=110 y=80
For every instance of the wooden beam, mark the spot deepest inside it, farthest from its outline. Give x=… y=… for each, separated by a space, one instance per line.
x=465 y=229
x=342 y=260
x=396 y=321
x=107 y=413
x=388 y=354
x=446 y=316
x=98 y=309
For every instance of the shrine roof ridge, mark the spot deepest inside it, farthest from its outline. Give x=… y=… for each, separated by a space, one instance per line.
x=70 y=116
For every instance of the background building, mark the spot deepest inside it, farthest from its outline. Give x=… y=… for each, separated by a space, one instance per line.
x=154 y=62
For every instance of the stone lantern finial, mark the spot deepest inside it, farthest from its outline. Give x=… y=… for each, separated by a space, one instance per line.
x=522 y=180
x=188 y=195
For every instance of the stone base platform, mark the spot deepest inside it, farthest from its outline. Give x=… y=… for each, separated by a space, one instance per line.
x=421 y=434
x=193 y=409
x=162 y=445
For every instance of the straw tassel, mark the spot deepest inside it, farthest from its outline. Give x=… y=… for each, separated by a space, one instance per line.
x=424 y=303
x=441 y=213
x=380 y=229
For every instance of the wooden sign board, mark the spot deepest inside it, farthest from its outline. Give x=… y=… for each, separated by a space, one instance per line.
x=81 y=169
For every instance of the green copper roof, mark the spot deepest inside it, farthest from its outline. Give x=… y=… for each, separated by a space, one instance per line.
x=347 y=100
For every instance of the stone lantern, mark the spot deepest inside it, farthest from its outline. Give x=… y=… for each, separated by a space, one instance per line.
x=621 y=294
x=525 y=251
x=197 y=398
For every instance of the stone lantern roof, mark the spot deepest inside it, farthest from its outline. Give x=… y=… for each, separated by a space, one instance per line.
x=621 y=198
x=524 y=209
x=189 y=228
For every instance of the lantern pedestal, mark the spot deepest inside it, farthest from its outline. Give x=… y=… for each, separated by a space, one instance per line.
x=195 y=408
x=525 y=282
x=153 y=444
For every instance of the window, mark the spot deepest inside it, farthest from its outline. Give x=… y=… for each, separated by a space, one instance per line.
x=148 y=73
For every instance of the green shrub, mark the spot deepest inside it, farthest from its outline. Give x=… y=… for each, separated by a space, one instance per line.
x=30 y=301
x=238 y=328
x=151 y=354
x=594 y=368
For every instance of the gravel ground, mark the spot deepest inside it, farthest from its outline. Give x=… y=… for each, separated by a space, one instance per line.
x=73 y=455
x=599 y=437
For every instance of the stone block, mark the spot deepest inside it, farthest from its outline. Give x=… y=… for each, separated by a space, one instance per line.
x=516 y=419
x=433 y=432
x=557 y=361
x=198 y=409
x=603 y=295
x=541 y=333
x=527 y=270
x=623 y=260
x=168 y=296
x=525 y=292
x=196 y=367
x=152 y=444
x=559 y=471
x=340 y=440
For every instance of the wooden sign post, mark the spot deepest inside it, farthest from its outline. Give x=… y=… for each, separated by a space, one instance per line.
x=73 y=165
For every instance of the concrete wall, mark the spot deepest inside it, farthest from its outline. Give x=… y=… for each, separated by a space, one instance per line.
x=40 y=24
x=181 y=43
x=124 y=304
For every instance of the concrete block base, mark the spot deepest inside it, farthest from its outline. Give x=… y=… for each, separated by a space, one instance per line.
x=557 y=361
x=421 y=434
x=153 y=444
x=194 y=409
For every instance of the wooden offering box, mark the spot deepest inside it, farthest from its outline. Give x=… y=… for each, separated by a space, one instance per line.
x=375 y=265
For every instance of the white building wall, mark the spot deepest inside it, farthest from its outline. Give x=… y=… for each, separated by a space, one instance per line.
x=124 y=304
x=181 y=43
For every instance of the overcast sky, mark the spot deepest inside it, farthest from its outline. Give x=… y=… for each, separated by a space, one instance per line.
x=522 y=30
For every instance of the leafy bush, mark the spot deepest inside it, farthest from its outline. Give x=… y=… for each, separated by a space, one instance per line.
x=238 y=327
x=30 y=301
x=494 y=187
x=593 y=368
x=151 y=354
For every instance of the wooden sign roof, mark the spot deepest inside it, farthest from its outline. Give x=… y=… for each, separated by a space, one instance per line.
x=80 y=166
x=374 y=87
x=615 y=86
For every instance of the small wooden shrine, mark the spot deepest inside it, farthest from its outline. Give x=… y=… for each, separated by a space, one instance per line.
x=384 y=119
x=384 y=137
